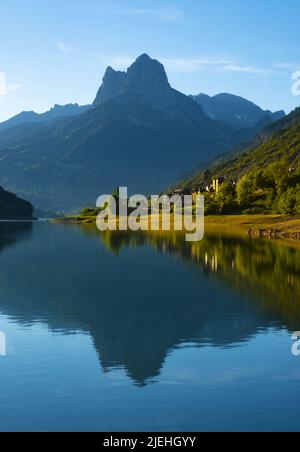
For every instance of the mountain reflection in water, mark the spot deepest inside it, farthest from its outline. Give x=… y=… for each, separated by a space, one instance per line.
x=141 y=295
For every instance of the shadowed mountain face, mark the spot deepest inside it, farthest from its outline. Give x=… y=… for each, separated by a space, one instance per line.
x=140 y=133
x=14 y=208
x=138 y=314
x=236 y=111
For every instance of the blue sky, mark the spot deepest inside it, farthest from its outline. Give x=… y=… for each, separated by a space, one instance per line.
x=56 y=51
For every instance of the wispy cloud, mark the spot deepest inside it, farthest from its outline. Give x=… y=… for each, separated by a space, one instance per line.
x=204 y=63
x=168 y=14
x=174 y=64
x=65 y=47
x=288 y=67
x=192 y=64
x=164 y=13
x=234 y=68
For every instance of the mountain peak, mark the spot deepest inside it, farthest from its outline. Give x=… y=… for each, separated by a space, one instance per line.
x=64 y=107
x=143 y=58
x=109 y=71
x=112 y=86
x=146 y=78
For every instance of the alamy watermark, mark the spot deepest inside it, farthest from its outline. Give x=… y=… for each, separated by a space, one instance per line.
x=2 y=344
x=156 y=213
x=296 y=84
x=296 y=344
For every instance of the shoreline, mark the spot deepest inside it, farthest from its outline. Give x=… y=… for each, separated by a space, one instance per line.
x=18 y=220
x=275 y=227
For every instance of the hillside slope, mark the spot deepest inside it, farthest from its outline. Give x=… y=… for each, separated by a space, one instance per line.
x=14 y=208
x=261 y=178
x=275 y=142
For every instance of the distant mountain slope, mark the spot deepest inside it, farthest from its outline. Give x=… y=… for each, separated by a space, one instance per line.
x=27 y=133
x=140 y=133
x=234 y=110
x=14 y=208
x=280 y=140
x=58 y=111
x=275 y=142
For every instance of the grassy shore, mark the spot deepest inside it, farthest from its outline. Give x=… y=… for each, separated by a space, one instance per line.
x=285 y=227
x=243 y=223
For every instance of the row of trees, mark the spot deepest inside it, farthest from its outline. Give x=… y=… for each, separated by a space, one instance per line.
x=275 y=189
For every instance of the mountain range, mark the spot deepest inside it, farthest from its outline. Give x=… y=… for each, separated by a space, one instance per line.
x=139 y=132
x=58 y=111
x=238 y=112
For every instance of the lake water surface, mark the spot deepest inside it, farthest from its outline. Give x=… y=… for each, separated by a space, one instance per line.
x=146 y=332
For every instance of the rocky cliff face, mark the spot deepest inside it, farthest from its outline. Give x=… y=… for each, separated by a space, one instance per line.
x=113 y=85
x=145 y=78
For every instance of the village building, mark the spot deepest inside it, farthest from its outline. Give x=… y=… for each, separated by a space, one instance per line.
x=217 y=183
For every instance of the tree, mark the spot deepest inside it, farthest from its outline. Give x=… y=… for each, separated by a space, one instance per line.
x=225 y=198
x=287 y=202
x=245 y=191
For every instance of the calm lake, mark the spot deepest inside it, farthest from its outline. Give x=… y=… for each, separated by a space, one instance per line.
x=146 y=332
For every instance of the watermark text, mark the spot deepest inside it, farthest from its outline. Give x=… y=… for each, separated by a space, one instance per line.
x=296 y=84
x=156 y=213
